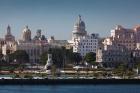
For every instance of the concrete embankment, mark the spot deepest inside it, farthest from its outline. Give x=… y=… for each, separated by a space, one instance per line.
x=66 y=81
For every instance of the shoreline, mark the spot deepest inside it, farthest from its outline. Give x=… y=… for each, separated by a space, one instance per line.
x=67 y=81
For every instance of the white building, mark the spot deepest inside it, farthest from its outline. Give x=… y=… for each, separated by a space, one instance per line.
x=81 y=42
x=85 y=44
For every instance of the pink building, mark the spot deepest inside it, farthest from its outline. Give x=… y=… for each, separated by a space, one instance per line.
x=130 y=38
x=122 y=46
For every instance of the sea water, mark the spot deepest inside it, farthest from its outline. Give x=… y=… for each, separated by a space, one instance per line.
x=69 y=88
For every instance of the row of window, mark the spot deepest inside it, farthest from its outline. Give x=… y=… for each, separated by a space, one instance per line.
x=89 y=50
x=90 y=40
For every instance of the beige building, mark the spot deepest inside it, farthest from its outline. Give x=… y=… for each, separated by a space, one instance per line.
x=34 y=47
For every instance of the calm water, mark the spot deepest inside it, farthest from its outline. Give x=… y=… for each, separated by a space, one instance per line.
x=71 y=89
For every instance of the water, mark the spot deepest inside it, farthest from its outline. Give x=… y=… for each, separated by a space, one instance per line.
x=70 y=89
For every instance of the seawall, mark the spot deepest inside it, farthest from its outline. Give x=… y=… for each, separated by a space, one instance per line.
x=66 y=81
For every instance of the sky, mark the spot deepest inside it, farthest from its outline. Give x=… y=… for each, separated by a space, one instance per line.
x=57 y=17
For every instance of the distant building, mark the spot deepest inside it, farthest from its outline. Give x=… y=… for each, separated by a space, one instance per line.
x=53 y=43
x=7 y=44
x=122 y=46
x=82 y=42
x=86 y=44
x=26 y=34
x=34 y=47
x=9 y=36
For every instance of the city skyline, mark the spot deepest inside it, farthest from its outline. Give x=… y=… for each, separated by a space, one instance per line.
x=55 y=17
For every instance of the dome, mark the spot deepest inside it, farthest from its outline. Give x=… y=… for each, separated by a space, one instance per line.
x=26 y=29
x=80 y=23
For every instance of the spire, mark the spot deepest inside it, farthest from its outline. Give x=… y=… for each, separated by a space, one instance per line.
x=79 y=18
x=8 y=30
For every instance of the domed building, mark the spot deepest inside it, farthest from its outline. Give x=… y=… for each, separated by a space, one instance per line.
x=82 y=42
x=26 y=36
x=79 y=29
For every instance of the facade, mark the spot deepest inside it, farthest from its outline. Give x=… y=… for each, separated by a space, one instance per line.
x=112 y=52
x=82 y=42
x=122 y=46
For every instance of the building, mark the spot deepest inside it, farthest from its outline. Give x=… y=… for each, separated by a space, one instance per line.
x=79 y=29
x=34 y=47
x=112 y=52
x=9 y=36
x=82 y=42
x=85 y=44
x=122 y=46
x=8 y=43
x=53 y=43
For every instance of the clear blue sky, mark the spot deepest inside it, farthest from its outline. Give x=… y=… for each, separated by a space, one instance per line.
x=57 y=17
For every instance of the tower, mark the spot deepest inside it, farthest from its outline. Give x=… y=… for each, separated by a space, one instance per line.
x=38 y=33
x=9 y=36
x=26 y=35
x=79 y=29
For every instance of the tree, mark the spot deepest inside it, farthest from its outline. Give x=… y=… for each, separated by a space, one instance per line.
x=77 y=58
x=44 y=58
x=61 y=56
x=90 y=57
x=20 y=56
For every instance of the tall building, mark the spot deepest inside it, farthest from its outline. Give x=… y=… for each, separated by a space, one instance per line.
x=82 y=42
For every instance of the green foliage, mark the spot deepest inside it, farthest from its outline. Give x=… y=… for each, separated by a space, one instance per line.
x=61 y=56
x=43 y=58
x=20 y=55
x=90 y=57
x=77 y=58
x=123 y=71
